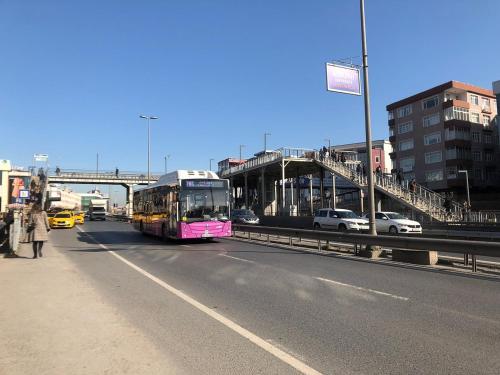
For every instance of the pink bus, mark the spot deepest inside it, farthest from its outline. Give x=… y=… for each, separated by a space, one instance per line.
x=184 y=205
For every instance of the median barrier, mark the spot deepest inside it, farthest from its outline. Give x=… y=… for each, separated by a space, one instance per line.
x=418 y=246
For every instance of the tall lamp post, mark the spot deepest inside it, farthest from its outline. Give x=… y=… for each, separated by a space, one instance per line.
x=265 y=141
x=466 y=184
x=149 y=118
x=210 y=162
x=368 y=130
x=241 y=148
x=166 y=160
x=329 y=144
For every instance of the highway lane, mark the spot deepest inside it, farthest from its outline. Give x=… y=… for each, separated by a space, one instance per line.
x=336 y=315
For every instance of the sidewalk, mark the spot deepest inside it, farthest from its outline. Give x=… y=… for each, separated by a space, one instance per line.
x=53 y=322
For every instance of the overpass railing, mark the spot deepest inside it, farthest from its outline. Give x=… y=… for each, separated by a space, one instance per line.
x=86 y=174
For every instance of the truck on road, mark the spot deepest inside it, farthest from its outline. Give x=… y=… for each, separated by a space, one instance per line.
x=97 y=209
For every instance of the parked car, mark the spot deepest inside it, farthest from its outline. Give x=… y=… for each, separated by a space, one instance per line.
x=243 y=216
x=340 y=219
x=394 y=223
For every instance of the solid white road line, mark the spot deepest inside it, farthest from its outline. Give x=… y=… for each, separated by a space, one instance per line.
x=263 y=344
x=240 y=259
x=363 y=289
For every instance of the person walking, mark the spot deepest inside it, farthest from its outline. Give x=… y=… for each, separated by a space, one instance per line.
x=38 y=227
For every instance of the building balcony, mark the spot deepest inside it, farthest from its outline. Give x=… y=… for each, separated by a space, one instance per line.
x=392 y=138
x=392 y=155
x=488 y=129
x=456 y=124
x=456 y=103
x=486 y=110
x=392 y=122
x=461 y=143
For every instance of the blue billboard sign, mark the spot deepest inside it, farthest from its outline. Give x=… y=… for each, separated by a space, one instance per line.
x=344 y=79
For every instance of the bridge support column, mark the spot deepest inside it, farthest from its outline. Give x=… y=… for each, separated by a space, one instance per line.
x=130 y=200
x=378 y=202
x=311 y=194
x=263 y=190
x=283 y=188
x=322 y=187
x=246 y=190
x=334 y=192
x=297 y=183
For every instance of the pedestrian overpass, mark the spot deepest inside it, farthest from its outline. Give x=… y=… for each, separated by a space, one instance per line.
x=126 y=179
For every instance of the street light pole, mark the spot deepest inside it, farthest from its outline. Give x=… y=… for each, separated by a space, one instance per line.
x=166 y=159
x=210 y=161
x=329 y=144
x=149 y=118
x=368 y=131
x=265 y=141
x=241 y=147
x=467 y=184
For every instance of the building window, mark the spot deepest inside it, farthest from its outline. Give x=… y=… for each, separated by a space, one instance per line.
x=474 y=117
x=430 y=120
x=405 y=111
x=436 y=175
x=474 y=99
x=451 y=172
x=487 y=139
x=390 y=114
x=406 y=145
x=433 y=157
x=476 y=155
x=451 y=134
x=478 y=173
x=430 y=102
x=391 y=131
x=432 y=139
x=476 y=137
x=458 y=153
x=407 y=164
x=377 y=159
x=488 y=156
x=406 y=127
x=486 y=120
x=485 y=103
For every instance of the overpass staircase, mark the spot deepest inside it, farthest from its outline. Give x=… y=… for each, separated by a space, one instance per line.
x=421 y=200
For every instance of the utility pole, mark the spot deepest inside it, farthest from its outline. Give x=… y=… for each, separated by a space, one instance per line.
x=211 y=159
x=97 y=169
x=368 y=131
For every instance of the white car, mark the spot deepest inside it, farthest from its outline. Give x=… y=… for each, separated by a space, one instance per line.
x=395 y=223
x=342 y=220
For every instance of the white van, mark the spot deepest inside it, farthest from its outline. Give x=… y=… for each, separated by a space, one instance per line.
x=342 y=220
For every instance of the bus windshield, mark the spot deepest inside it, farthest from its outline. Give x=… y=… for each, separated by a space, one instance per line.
x=204 y=204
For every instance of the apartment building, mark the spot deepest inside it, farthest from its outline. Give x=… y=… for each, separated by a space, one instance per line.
x=496 y=90
x=381 y=150
x=440 y=131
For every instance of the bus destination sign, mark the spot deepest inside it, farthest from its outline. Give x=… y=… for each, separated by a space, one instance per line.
x=203 y=184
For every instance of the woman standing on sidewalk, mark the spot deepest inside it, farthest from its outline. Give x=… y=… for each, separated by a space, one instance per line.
x=38 y=227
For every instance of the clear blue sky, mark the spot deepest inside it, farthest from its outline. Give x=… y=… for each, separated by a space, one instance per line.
x=75 y=75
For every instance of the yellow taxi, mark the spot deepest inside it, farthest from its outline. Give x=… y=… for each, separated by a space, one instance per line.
x=79 y=217
x=63 y=219
x=50 y=216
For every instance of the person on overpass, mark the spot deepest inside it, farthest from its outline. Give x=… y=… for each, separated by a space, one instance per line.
x=117 y=172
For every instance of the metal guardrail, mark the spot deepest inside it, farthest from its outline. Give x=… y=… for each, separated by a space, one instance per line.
x=485 y=248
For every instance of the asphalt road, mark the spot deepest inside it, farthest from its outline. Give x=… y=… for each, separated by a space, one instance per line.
x=337 y=316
